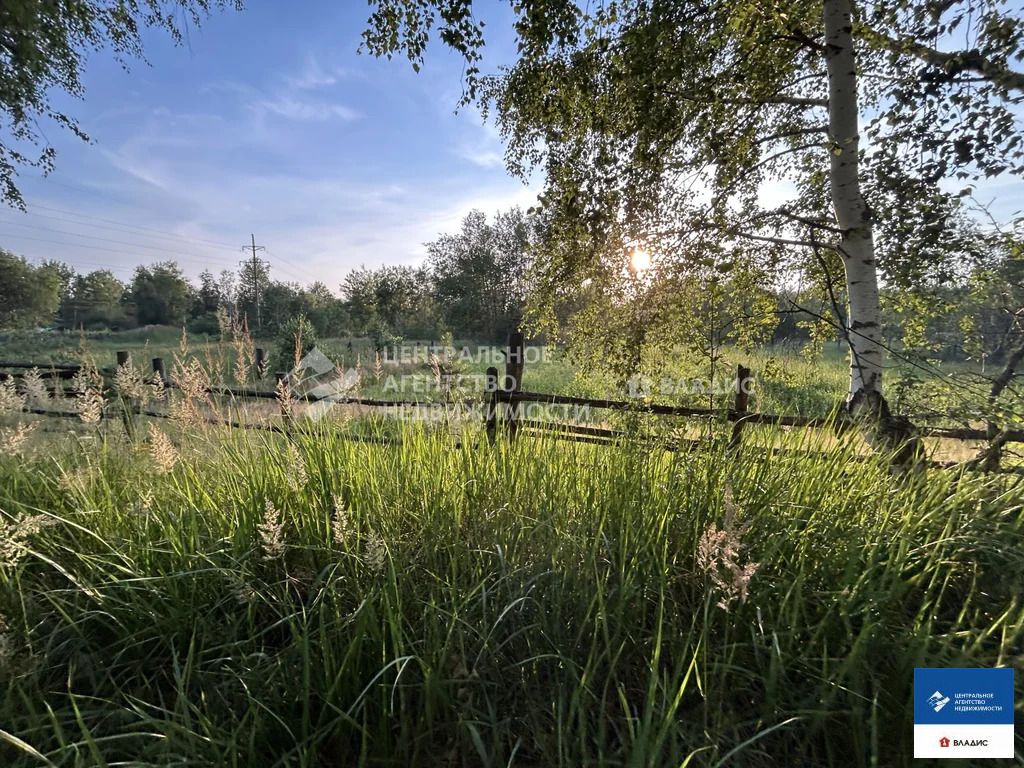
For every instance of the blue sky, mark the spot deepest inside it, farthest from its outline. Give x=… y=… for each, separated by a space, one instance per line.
x=268 y=122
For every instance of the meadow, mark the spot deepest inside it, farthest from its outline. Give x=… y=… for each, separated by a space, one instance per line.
x=218 y=597
x=788 y=380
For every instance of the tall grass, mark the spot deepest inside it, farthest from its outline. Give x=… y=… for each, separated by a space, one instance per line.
x=326 y=602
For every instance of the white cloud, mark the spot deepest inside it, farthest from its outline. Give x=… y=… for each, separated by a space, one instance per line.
x=291 y=98
x=316 y=225
x=297 y=109
x=246 y=165
x=313 y=76
x=479 y=142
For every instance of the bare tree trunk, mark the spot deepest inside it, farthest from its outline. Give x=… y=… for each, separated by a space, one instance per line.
x=852 y=214
x=989 y=456
x=857 y=247
x=1006 y=375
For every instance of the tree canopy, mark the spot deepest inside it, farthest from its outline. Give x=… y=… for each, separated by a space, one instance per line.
x=725 y=136
x=482 y=274
x=29 y=295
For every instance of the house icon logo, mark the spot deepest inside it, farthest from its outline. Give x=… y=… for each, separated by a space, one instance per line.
x=943 y=742
x=317 y=380
x=937 y=701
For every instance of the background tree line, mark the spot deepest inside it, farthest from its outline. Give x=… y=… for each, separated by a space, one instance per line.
x=473 y=284
x=479 y=283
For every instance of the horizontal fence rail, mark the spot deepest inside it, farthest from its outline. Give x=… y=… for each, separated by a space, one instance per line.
x=504 y=401
x=839 y=424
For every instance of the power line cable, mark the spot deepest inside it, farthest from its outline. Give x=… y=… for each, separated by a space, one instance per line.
x=181 y=257
x=121 y=227
x=111 y=240
x=305 y=275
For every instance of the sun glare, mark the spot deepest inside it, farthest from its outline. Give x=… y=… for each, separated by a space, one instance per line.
x=640 y=261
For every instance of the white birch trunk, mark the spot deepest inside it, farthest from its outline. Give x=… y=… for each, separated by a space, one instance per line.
x=852 y=214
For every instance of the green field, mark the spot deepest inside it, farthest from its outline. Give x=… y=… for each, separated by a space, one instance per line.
x=251 y=601
x=786 y=380
x=369 y=591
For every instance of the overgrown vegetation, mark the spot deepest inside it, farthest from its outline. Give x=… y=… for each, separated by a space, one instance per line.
x=248 y=600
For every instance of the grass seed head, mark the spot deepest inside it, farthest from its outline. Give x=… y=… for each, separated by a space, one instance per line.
x=12 y=441
x=157 y=388
x=341 y=523
x=719 y=552
x=10 y=400
x=376 y=553
x=241 y=370
x=161 y=450
x=90 y=406
x=15 y=534
x=129 y=382
x=284 y=398
x=271 y=531
x=295 y=470
x=35 y=388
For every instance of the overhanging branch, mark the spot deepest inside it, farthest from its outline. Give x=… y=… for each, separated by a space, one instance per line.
x=952 y=63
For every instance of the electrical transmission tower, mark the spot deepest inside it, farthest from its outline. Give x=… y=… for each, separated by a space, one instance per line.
x=255 y=277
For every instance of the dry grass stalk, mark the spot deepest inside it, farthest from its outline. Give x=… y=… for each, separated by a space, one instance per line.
x=718 y=555
x=56 y=385
x=245 y=350
x=435 y=366
x=271 y=531
x=241 y=370
x=35 y=390
x=378 y=368
x=193 y=382
x=298 y=345
x=10 y=400
x=161 y=450
x=214 y=365
x=88 y=383
x=224 y=322
x=12 y=441
x=284 y=399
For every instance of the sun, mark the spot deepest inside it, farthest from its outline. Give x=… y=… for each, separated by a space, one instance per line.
x=640 y=261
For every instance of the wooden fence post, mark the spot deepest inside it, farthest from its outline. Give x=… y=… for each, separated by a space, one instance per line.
x=159 y=370
x=740 y=404
x=491 y=400
x=129 y=405
x=515 y=359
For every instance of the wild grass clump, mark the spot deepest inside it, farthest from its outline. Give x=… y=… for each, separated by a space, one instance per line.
x=329 y=602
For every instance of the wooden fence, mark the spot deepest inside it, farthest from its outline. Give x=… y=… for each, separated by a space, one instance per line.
x=505 y=402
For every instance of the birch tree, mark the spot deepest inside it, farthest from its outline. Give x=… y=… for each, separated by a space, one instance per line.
x=805 y=133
